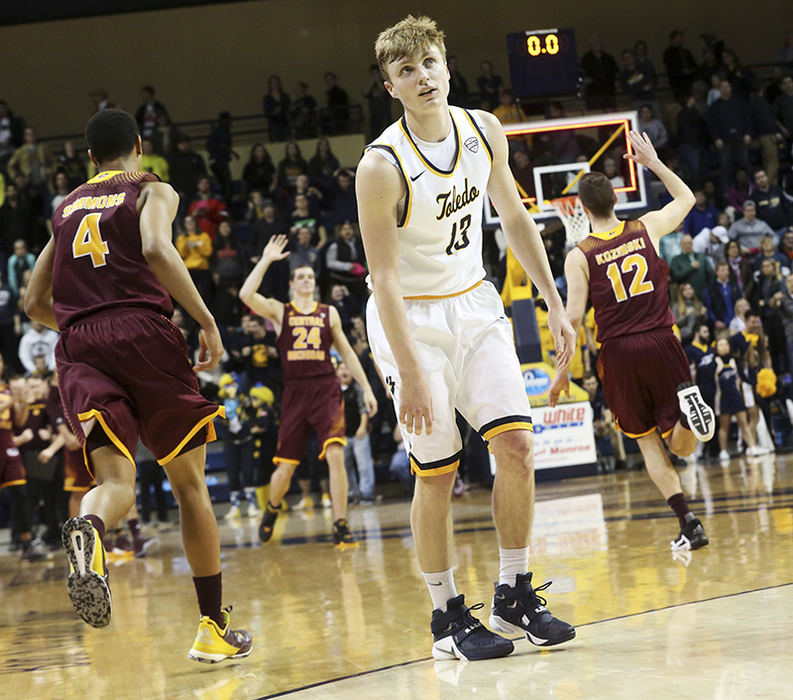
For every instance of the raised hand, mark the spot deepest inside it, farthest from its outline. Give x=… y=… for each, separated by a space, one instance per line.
x=274 y=250
x=645 y=151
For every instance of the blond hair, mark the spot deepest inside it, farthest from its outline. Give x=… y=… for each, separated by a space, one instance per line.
x=405 y=39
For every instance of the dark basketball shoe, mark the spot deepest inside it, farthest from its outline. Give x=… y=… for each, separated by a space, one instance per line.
x=457 y=634
x=518 y=609
x=699 y=416
x=692 y=536
x=268 y=522
x=88 y=587
x=213 y=644
x=342 y=537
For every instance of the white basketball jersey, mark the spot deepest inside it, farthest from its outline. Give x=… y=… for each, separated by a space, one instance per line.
x=440 y=227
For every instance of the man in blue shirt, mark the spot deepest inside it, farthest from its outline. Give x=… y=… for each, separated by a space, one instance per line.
x=720 y=297
x=703 y=215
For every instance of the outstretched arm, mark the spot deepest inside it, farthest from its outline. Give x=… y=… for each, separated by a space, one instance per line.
x=350 y=359
x=249 y=292
x=523 y=237
x=659 y=223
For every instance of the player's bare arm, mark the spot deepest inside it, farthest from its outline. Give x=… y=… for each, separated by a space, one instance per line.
x=350 y=359
x=576 y=272
x=38 y=295
x=380 y=190
x=523 y=237
x=665 y=220
x=271 y=309
x=157 y=207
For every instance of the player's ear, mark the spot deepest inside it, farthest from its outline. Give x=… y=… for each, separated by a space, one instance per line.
x=93 y=160
x=390 y=88
x=139 y=146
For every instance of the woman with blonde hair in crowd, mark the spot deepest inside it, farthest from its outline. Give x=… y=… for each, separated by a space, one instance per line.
x=689 y=312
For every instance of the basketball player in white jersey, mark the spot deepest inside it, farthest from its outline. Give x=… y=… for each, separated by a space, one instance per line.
x=439 y=334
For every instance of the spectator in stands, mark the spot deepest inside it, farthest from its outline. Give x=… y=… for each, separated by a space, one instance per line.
x=773 y=206
x=304 y=253
x=323 y=166
x=291 y=166
x=33 y=160
x=301 y=216
x=344 y=205
x=749 y=230
x=228 y=258
x=303 y=186
x=347 y=304
x=786 y=52
x=20 y=261
x=611 y=171
x=600 y=71
x=207 y=210
x=185 y=167
x=345 y=259
x=100 y=100
x=195 y=246
x=276 y=106
x=337 y=106
x=691 y=267
x=38 y=341
x=689 y=312
x=149 y=112
x=378 y=101
x=260 y=355
x=768 y=251
x=681 y=68
x=509 y=110
x=643 y=62
x=767 y=297
x=741 y=271
x=62 y=190
x=151 y=162
x=303 y=113
x=739 y=191
x=638 y=85
x=358 y=450
x=653 y=126
x=523 y=172
x=786 y=247
x=15 y=219
x=71 y=163
x=221 y=152
x=259 y=171
x=786 y=312
x=766 y=131
x=458 y=85
x=165 y=136
x=264 y=223
x=489 y=85
x=720 y=297
x=740 y=78
x=703 y=215
x=783 y=106
x=730 y=128
x=711 y=242
x=738 y=323
x=700 y=343
x=714 y=93
x=11 y=130
x=9 y=322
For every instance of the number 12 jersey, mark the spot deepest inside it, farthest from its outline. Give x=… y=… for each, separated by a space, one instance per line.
x=628 y=283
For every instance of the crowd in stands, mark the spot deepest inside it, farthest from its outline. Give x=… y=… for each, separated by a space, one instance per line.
x=725 y=131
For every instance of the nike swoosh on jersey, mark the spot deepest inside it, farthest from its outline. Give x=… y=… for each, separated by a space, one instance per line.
x=413 y=179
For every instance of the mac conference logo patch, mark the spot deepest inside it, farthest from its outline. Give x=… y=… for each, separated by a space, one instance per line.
x=472 y=144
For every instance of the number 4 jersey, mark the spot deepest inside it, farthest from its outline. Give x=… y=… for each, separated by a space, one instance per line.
x=439 y=221
x=627 y=282
x=99 y=262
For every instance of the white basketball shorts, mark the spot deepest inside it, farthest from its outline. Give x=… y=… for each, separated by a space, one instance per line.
x=465 y=346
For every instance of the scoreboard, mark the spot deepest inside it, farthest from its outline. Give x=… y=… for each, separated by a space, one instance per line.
x=543 y=62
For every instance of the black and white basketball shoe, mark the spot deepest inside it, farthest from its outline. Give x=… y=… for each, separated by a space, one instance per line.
x=692 y=536
x=700 y=417
x=457 y=634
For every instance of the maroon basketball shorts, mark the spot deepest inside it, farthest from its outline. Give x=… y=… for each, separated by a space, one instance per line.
x=12 y=470
x=640 y=374
x=127 y=371
x=308 y=404
x=76 y=476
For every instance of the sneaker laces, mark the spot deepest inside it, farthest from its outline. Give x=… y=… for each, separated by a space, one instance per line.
x=470 y=622
x=541 y=600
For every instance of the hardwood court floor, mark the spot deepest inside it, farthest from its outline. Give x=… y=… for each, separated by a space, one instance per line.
x=355 y=624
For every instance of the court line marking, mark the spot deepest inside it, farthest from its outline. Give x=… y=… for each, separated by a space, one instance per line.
x=587 y=624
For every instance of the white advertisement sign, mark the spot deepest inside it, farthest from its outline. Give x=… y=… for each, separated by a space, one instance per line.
x=563 y=436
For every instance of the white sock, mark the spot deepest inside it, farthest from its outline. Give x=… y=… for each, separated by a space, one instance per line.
x=441 y=588
x=513 y=562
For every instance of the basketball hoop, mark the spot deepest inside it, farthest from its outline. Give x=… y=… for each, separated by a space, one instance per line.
x=576 y=223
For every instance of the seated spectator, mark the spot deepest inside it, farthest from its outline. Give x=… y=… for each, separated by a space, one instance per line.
x=303 y=113
x=207 y=209
x=195 y=247
x=739 y=191
x=749 y=230
x=275 y=106
x=336 y=115
x=689 y=312
x=703 y=215
x=768 y=251
x=186 y=167
x=228 y=258
x=151 y=162
x=691 y=267
x=720 y=297
x=772 y=205
x=259 y=171
x=38 y=341
x=301 y=216
x=304 y=253
x=323 y=166
x=71 y=163
x=653 y=126
x=314 y=196
x=291 y=166
x=711 y=242
x=149 y=112
x=741 y=271
x=20 y=261
x=344 y=205
x=508 y=110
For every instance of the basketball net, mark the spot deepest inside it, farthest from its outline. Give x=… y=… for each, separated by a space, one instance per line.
x=576 y=223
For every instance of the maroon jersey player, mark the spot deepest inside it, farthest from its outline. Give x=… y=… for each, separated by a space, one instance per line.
x=105 y=280
x=312 y=397
x=644 y=372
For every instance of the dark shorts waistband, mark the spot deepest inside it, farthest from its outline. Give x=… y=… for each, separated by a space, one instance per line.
x=115 y=311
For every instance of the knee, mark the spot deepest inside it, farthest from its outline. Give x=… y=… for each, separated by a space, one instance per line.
x=513 y=451
x=437 y=488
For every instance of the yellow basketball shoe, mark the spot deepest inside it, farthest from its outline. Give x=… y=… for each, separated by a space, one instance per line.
x=88 y=587
x=213 y=644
